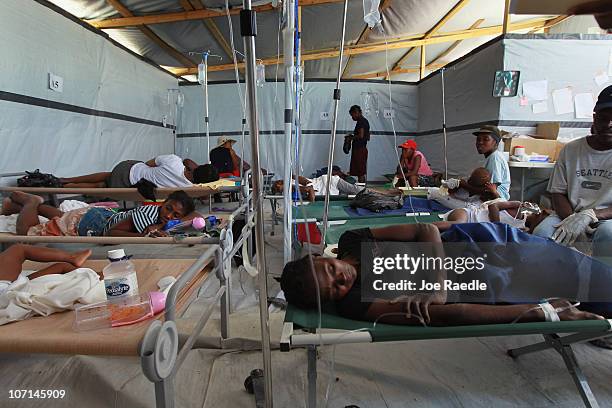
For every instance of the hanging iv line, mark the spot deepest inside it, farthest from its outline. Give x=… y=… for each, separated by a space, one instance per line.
x=203 y=80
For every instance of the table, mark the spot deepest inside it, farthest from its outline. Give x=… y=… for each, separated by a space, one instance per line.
x=529 y=165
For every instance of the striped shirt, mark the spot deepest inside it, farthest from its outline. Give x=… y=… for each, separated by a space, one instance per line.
x=142 y=217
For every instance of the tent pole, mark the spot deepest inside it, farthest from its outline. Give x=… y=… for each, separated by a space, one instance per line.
x=206 y=120
x=248 y=27
x=332 y=143
x=444 y=125
x=288 y=34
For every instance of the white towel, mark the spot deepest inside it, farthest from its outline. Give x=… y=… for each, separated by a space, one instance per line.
x=8 y=223
x=49 y=294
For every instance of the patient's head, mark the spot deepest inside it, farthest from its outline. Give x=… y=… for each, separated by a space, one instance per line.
x=176 y=206
x=334 y=277
x=480 y=177
x=206 y=173
x=277 y=187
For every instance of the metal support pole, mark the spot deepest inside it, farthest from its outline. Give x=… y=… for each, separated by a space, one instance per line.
x=206 y=118
x=288 y=35
x=312 y=376
x=248 y=26
x=444 y=125
x=332 y=143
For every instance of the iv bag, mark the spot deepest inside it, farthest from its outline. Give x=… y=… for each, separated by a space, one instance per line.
x=370 y=103
x=201 y=73
x=371 y=15
x=261 y=74
x=180 y=99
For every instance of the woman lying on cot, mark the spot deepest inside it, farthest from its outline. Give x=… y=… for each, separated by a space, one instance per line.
x=163 y=171
x=524 y=216
x=13 y=258
x=342 y=282
x=95 y=221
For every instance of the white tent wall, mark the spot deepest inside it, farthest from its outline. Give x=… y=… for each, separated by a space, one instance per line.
x=469 y=104
x=564 y=61
x=67 y=133
x=226 y=117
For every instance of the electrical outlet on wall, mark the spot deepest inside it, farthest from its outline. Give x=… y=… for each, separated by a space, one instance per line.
x=389 y=113
x=324 y=115
x=56 y=83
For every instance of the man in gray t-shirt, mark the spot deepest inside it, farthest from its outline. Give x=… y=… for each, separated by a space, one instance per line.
x=581 y=186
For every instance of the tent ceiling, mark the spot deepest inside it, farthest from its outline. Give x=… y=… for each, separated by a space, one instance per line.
x=169 y=44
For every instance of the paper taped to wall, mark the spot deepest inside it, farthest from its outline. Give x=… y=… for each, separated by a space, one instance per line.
x=536 y=90
x=584 y=103
x=601 y=78
x=540 y=107
x=562 y=101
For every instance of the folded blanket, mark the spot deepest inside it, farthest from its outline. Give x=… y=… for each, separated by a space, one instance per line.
x=49 y=294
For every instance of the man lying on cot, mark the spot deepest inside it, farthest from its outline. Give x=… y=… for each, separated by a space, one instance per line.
x=461 y=196
x=309 y=188
x=13 y=258
x=342 y=281
x=524 y=216
x=163 y=171
x=146 y=220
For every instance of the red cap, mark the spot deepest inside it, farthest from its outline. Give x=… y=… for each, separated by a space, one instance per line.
x=408 y=144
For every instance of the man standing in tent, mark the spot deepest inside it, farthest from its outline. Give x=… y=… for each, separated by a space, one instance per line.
x=359 y=138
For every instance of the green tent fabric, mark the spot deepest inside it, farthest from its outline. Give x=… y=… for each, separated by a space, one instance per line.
x=385 y=332
x=337 y=212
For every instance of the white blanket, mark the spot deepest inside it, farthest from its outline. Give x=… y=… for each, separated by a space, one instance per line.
x=8 y=223
x=49 y=294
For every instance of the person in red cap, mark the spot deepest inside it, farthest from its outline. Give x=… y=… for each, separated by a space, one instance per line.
x=414 y=167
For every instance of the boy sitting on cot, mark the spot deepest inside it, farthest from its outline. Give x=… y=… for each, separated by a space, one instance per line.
x=524 y=216
x=514 y=263
x=459 y=197
x=13 y=258
x=95 y=221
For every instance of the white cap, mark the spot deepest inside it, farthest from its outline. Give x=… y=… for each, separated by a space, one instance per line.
x=116 y=254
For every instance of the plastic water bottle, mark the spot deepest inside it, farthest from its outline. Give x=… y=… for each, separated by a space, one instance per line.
x=120 y=278
x=371 y=15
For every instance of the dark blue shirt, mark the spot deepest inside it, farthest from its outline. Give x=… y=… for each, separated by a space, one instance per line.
x=362 y=123
x=221 y=159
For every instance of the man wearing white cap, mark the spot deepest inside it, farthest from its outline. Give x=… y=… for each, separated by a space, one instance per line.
x=225 y=160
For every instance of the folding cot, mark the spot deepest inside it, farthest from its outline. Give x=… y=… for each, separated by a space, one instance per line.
x=351 y=331
x=155 y=341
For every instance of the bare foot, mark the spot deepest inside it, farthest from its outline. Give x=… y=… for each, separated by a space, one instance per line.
x=24 y=198
x=10 y=207
x=79 y=258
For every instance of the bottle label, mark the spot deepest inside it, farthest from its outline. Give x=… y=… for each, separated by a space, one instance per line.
x=121 y=287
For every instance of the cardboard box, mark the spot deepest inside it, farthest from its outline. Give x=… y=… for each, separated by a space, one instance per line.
x=548 y=131
x=551 y=148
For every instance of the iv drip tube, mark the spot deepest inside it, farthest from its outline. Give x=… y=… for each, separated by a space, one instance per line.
x=334 y=125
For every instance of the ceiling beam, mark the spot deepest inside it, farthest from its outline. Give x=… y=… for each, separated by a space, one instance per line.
x=506 y=16
x=383 y=74
x=173 y=52
x=364 y=35
x=423 y=63
x=432 y=31
x=188 y=15
x=554 y=22
x=455 y=44
x=406 y=42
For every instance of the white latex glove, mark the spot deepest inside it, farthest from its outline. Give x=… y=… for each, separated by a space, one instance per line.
x=451 y=184
x=570 y=228
x=395 y=180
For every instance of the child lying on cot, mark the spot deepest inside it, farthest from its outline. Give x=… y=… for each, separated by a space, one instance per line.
x=460 y=197
x=95 y=221
x=339 y=280
x=13 y=258
x=524 y=216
